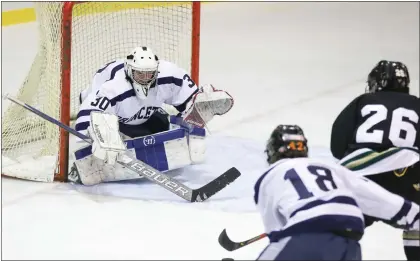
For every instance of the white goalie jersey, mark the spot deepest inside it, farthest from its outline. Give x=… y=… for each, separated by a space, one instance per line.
x=128 y=92
x=305 y=195
x=111 y=92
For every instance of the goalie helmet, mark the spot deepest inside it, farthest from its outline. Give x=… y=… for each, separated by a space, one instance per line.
x=388 y=76
x=286 y=141
x=141 y=68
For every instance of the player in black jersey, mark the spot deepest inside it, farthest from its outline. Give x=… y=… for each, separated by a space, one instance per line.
x=386 y=116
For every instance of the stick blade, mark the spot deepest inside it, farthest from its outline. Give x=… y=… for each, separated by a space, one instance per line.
x=216 y=185
x=225 y=241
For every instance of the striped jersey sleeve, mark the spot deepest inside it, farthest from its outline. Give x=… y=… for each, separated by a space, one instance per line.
x=104 y=101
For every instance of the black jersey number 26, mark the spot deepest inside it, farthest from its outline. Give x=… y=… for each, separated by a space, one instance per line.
x=402 y=131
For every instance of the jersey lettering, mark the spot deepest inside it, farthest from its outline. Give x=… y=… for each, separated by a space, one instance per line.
x=143 y=113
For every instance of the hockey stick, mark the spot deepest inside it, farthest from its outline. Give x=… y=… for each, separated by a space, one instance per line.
x=155 y=176
x=230 y=245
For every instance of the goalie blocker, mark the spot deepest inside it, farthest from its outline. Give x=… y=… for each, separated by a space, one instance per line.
x=169 y=150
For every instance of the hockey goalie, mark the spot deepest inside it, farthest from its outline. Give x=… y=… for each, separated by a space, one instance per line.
x=122 y=112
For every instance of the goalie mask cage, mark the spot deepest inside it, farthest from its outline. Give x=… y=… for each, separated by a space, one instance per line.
x=75 y=40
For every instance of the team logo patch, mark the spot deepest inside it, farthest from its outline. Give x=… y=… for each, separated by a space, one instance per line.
x=400 y=172
x=150 y=140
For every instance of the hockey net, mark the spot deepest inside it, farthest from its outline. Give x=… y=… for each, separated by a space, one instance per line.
x=75 y=40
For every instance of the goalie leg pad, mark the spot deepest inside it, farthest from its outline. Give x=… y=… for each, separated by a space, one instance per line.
x=163 y=151
x=92 y=170
x=197 y=147
x=196 y=139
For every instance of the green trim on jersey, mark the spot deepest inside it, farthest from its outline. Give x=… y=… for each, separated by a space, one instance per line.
x=369 y=158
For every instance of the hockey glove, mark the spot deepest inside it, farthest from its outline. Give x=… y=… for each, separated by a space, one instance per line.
x=205 y=104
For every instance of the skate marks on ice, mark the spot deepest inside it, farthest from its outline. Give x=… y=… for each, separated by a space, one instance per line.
x=222 y=153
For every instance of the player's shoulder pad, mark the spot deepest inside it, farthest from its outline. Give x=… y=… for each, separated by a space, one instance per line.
x=275 y=170
x=120 y=60
x=413 y=97
x=115 y=87
x=353 y=104
x=167 y=68
x=361 y=97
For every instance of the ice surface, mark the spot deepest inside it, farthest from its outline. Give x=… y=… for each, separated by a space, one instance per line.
x=283 y=63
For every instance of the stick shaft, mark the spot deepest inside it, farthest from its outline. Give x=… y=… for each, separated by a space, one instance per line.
x=50 y=119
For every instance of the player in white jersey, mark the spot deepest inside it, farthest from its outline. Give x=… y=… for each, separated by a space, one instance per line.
x=313 y=209
x=134 y=89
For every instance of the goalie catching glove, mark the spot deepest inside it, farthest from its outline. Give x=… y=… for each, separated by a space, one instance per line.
x=206 y=103
x=104 y=132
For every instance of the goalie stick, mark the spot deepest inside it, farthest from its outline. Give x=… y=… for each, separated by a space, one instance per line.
x=155 y=176
x=230 y=245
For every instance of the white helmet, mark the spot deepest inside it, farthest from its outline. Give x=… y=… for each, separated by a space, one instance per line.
x=141 y=66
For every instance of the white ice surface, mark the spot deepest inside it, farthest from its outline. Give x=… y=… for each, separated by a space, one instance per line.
x=283 y=63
